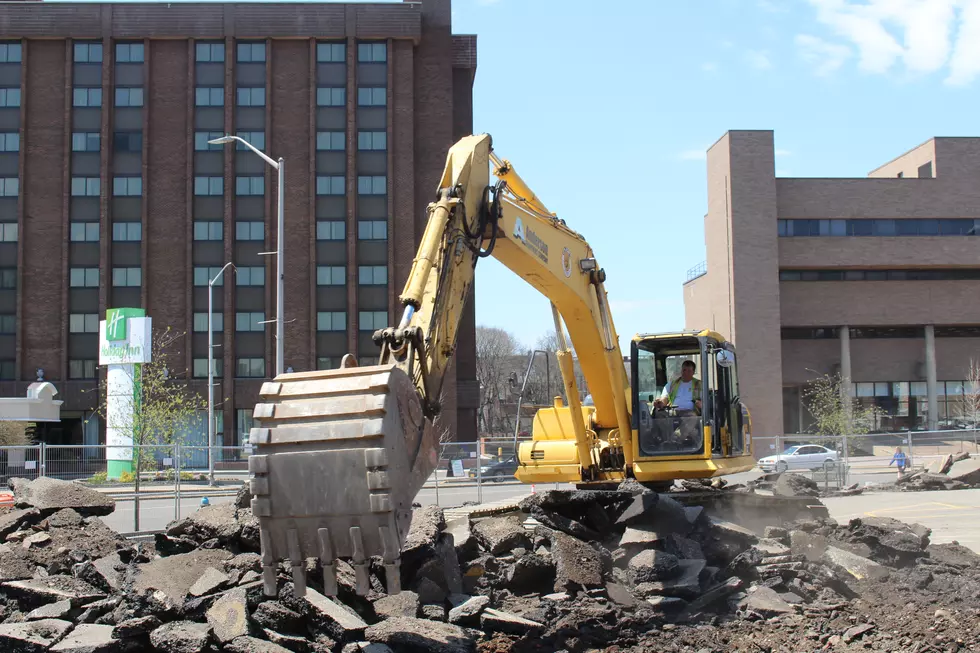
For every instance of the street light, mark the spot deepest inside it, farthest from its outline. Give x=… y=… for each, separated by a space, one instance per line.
x=280 y=166
x=211 y=375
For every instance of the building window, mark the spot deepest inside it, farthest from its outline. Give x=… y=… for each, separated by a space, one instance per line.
x=371 y=140
x=85 y=142
x=201 y=141
x=330 y=140
x=915 y=274
x=88 y=53
x=249 y=231
x=7 y=370
x=84 y=232
x=10 y=52
x=8 y=232
x=86 y=97
x=372 y=230
x=127 y=186
x=372 y=52
x=331 y=321
x=331 y=96
x=330 y=53
x=330 y=230
x=885 y=227
x=83 y=322
x=85 y=186
x=127 y=277
x=81 y=368
x=9 y=142
x=256 y=139
x=201 y=322
x=249 y=185
x=209 y=52
x=372 y=185
x=250 y=367
x=129 y=97
x=128 y=141
x=331 y=275
x=372 y=96
x=127 y=231
x=251 y=96
x=83 y=277
x=203 y=275
x=251 y=52
x=8 y=278
x=8 y=324
x=209 y=185
x=200 y=369
x=209 y=96
x=129 y=53
x=9 y=186
x=330 y=185
x=249 y=321
x=251 y=276
x=325 y=363
x=208 y=230
x=9 y=97
x=372 y=275
x=372 y=320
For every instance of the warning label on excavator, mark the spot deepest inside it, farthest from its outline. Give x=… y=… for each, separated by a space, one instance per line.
x=531 y=240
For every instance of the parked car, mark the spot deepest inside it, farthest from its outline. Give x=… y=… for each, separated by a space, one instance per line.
x=803 y=456
x=502 y=470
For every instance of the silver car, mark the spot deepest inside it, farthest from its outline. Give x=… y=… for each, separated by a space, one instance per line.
x=803 y=456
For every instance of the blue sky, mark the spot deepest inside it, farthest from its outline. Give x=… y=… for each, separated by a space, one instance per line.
x=606 y=110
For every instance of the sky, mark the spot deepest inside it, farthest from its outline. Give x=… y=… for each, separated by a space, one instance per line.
x=606 y=110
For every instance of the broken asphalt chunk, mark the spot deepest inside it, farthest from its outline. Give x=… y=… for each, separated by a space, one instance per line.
x=339 y=621
x=228 y=617
x=181 y=637
x=32 y=636
x=409 y=635
x=499 y=535
x=88 y=638
x=49 y=495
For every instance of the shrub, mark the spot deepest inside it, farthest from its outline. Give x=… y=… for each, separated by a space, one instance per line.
x=126 y=477
x=99 y=477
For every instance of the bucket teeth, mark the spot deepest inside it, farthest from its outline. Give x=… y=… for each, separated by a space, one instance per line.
x=329 y=578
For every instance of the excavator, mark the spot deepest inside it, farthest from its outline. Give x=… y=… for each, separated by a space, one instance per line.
x=339 y=455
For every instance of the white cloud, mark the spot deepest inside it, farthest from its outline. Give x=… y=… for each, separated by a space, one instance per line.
x=758 y=59
x=826 y=57
x=709 y=66
x=694 y=155
x=923 y=36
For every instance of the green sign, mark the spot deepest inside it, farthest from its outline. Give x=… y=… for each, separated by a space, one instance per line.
x=115 y=321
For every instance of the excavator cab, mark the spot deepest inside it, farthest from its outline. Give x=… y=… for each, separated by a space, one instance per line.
x=688 y=419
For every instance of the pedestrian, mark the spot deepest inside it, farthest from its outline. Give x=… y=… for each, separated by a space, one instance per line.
x=901 y=460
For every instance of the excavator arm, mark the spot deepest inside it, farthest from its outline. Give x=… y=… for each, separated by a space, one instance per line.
x=341 y=454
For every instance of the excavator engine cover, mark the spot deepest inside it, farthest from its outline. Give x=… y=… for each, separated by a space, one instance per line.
x=339 y=456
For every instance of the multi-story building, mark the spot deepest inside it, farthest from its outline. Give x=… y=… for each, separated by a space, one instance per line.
x=874 y=279
x=111 y=195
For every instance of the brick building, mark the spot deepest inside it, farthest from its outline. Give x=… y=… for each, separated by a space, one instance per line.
x=872 y=278
x=110 y=194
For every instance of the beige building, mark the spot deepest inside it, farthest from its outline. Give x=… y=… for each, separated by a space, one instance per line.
x=874 y=278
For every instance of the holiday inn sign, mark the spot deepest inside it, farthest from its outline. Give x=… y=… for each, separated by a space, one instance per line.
x=124 y=337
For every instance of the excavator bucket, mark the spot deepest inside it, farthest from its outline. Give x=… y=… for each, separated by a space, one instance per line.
x=339 y=456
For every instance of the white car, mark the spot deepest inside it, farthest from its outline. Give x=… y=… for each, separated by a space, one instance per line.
x=804 y=456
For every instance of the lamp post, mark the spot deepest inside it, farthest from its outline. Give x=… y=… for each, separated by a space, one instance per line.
x=211 y=374
x=280 y=166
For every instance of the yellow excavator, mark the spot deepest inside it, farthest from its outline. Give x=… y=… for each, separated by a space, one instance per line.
x=340 y=454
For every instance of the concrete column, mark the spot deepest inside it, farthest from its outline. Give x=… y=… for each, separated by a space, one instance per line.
x=931 y=377
x=845 y=369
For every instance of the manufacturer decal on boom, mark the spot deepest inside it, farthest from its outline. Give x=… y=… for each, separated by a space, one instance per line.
x=531 y=240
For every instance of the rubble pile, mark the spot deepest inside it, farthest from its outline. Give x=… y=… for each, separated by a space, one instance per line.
x=950 y=472
x=616 y=570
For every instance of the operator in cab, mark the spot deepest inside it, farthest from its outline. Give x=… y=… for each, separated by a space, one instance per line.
x=683 y=393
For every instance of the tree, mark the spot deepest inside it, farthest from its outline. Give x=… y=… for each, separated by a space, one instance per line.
x=16 y=434
x=495 y=349
x=165 y=406
x=835 y=412
x=971 y=398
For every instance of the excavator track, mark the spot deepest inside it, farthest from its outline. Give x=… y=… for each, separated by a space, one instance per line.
x=339 y=456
